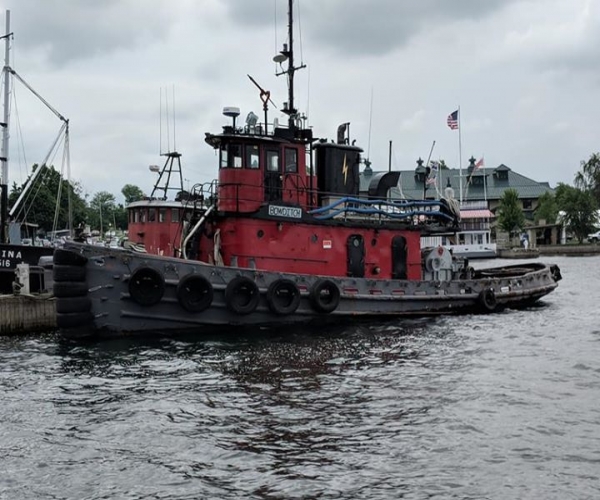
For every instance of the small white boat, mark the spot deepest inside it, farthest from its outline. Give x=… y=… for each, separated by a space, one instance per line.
x=473 y=240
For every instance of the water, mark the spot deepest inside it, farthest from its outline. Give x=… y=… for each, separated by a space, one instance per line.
x=503 y=406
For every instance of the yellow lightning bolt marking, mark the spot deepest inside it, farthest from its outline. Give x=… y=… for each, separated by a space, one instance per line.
x=345 y=170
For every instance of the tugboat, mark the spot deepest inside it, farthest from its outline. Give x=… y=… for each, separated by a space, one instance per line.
x=282 y=237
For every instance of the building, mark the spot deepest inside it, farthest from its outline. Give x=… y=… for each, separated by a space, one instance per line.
x=479 y=185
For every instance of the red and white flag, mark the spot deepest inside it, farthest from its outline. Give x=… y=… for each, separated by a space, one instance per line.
x=479 y=163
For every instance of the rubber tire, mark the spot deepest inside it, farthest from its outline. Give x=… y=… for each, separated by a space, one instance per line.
x=146 y=286
x=68 y=258
x=70 y=289
x=286 y=304
x=72 y=320
x=195 y=293
x=487 y=299
x=73 y=304
x=64 y=272
x=317 y=300
x=240 y=286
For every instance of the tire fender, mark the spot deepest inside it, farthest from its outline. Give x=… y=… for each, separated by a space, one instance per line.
x=325 y=296
x=283 y=297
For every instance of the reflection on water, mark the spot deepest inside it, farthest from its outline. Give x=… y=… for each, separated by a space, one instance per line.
x=496 y=406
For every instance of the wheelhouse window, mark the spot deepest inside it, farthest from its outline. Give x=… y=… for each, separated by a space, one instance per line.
x=273 y=161
x=162 y=214
x=174 y=215
x=291 y=160
x=152 y=215
x=143 y=215
x=252 y=156
x=231 y=156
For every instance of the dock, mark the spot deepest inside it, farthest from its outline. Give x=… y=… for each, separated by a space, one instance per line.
x=26 y=313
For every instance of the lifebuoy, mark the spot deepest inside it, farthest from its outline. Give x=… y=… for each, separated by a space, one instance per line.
x=242 y=295
x=487 y=299
x=146 y=286
x=283 y=297
x=325 y=296
x=195 y=293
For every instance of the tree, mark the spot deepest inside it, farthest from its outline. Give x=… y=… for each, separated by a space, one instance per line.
x=102 y=211
x=510 y=215
x=132 y=193
x=588 y=178
x=40 y=203
x=547 y=208
x=579 y=209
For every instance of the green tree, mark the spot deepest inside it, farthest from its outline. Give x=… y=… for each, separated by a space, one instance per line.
x=40 y=203
x=579 y=209
x=101 y=213
x=510 y=214
x=547 y=208
x=132 y=193
x=588 y=178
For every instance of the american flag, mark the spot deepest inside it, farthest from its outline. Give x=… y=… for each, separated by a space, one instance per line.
x=453 y=120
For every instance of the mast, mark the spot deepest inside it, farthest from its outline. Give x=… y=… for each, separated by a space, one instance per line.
x=288 y=53
x=5 y=133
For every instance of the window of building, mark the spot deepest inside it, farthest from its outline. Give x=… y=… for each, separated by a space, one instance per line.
x=273 y=161
x=252 y=156
x=527 y=204
x=291 y=160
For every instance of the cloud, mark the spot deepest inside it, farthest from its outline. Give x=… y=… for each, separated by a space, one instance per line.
x=68 y=30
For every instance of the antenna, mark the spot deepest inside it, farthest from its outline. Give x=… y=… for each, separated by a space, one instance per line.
x=174 y=135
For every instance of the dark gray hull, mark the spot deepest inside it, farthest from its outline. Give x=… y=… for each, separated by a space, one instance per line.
x=100 y=283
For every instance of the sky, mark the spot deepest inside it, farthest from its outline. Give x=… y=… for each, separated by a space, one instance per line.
x=137 y=77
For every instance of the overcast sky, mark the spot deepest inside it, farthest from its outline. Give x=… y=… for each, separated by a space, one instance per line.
x=525 y=73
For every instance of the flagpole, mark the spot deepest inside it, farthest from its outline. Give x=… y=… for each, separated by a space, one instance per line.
x=460 y=158
x=484 y=181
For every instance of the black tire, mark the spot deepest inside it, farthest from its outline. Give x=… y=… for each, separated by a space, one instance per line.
x=70 y=289
x=195 y=293
x=325 y=296
x=283 y=297
x=72 y=320
x=146 y=286
x=64 y=272
x=73 y=304
x=487 y=300
x=242 y=295
x=68 y=258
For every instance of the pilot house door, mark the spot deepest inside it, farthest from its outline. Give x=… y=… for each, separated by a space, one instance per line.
x=356 y=256
x=273 y=178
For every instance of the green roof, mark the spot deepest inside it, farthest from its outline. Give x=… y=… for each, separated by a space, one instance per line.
x=497 y=180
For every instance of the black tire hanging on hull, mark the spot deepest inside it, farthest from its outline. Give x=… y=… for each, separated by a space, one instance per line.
x=72 y=320
x=68 y=258
x=65 y=272
x=146 y=286
x=69 y=289
x=487 y=300
x=194 y=293
x=242 y=295
x=67 y=305
x=325 y=296
x=283 y=297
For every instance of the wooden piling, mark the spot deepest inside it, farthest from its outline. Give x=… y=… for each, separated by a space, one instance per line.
x=27 y=313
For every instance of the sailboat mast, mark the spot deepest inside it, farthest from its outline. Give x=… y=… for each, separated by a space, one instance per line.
x=5 y=135
x=6 y=91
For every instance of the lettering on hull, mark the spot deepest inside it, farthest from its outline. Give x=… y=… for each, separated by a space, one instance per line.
x=290 y=212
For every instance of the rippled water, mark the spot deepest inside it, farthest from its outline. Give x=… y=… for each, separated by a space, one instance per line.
x=504 y=406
